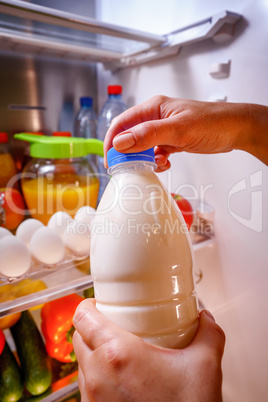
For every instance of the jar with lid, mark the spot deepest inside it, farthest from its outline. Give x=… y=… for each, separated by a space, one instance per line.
x=59 y=176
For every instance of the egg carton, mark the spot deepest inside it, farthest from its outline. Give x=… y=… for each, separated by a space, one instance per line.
x=37 y=270
x=37 y=248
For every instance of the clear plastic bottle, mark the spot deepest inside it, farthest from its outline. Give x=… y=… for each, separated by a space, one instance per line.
x=113 y=106
x=85 y=125
x=7 y=164
x=141 y=255
x=85 y=121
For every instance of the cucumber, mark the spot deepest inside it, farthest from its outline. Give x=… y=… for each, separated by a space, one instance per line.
x=36 y=398
x=11 y=383
x=88 y=292
x=35 y=363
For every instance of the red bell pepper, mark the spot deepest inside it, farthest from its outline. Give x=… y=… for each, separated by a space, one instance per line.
x=2 y=341
x=57 y=327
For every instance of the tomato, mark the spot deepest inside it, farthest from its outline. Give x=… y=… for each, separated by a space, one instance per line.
x=13 y=204
x=185 y=208
x=2 y=341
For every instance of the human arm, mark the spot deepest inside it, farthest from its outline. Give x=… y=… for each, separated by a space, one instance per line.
x=116 y=365
x=175 y=125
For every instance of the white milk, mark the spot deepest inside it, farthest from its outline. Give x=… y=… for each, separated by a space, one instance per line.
x=141 y=258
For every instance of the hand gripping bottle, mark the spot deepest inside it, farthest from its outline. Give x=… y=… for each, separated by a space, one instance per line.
x=141 y=255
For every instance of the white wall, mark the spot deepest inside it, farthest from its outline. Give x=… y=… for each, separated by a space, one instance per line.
x=235 y=270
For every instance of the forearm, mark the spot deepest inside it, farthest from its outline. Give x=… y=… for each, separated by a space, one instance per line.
x=176 y=125
x=252 y=136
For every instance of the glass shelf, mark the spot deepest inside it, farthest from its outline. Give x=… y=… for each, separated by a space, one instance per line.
x=71 y=277
x=26 y=27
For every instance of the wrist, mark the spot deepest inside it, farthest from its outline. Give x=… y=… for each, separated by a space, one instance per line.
x=242 y=126
x=254 y=136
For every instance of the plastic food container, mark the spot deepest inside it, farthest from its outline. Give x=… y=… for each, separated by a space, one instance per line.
x=59 y=176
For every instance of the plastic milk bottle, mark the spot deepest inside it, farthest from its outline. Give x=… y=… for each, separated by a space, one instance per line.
x=141 y=255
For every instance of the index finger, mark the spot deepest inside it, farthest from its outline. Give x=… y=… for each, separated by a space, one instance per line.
x=133 y=116
x=93 y=327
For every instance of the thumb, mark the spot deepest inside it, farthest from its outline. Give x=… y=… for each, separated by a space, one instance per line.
x=147 y=135
x=209 y=338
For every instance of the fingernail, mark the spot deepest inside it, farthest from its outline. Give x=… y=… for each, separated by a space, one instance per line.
x=124 y=141
x=208 y=313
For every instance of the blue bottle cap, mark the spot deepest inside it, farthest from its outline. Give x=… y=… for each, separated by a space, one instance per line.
x=114 y=157
x=86 y=101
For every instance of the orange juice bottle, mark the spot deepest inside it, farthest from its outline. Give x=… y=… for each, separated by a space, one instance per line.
x=59 y=177
x=7 y=164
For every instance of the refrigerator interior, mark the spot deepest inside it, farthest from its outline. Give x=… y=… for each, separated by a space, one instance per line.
x=235 y=268
x=42 y=93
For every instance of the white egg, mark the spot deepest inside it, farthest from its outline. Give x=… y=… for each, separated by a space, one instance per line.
x=15 y=257
x=47 y=246
x=4 y=232
x=85 y=215
x=59 y=221
x=77 y=238
x=26 y=230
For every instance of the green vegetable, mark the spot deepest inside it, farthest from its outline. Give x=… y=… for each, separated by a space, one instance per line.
x=34 y=360
x=37 y=398
x=11 y=384
x=88 y=292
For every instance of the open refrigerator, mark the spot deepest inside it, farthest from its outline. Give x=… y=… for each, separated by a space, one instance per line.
x=53 y=52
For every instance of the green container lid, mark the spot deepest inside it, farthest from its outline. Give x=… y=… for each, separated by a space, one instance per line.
x=60 y=147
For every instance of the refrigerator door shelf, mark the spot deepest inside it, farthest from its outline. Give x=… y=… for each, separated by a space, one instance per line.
x=27 y=27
